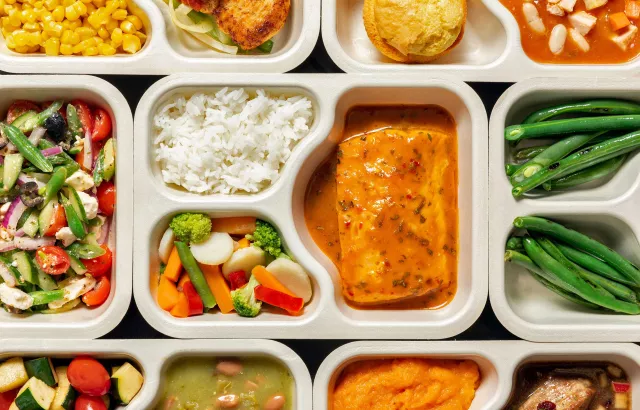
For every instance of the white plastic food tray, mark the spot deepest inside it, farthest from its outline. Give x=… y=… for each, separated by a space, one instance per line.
x=83 y=322
x=170 y=50
x=490 y=50
x=498 y=363
x=153 y=357
x=608 y=212
x=327 y=315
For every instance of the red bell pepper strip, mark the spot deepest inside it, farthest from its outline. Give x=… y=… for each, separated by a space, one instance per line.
x=7 y=398
x=237 y=279
x=621 y=387
x=279 y=299
x=196 y=307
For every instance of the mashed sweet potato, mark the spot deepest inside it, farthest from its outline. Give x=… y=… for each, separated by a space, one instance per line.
x=407 y=384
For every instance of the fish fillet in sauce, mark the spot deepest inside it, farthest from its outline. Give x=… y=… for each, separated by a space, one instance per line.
x=396 y=201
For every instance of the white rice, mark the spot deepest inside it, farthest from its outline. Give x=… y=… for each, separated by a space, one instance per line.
x=229 y=142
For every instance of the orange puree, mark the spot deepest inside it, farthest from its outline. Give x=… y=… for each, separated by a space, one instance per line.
x=407 y=384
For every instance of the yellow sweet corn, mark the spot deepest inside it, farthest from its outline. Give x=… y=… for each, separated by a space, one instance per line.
x=99 y=3
x=112 y=24
x=52 y=47
x=31 y=26
x=85 y=32
x=58 y=14
x=71 y=14
x=51 y=4
x=10 y=41
x=116 y=36
x=106 y=49
x=22 y=49
x=130 y=43
x=66 y=49
x=119 y=14
x=65 y=38
x=90 y=51
x=127 y=27
x=135 y=20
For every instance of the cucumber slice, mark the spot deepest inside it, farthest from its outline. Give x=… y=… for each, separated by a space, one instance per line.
x=31 y=225
x=23 y=218
x=45 y=281
x=24 y=266
x=65 y=394
x=98 y=170
x=45 y=219
x=77 y=265
x=35 y=395
x=126 y=382
x=44 y=297
x=42 y=369
x=76 y=202
x=109 y=165
x=12 y=374
x=11 y=170
x=22 y=120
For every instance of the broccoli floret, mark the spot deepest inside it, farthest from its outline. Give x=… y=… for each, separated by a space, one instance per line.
x=191 y=228
x=244 y=300
x=267 y=238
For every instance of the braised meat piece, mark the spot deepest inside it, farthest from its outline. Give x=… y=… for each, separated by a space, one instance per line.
x=565 y=392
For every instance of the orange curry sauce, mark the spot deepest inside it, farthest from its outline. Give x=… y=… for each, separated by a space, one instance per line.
x=393 y=209
x=602 y=49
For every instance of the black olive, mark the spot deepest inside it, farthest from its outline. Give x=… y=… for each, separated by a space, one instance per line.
x=29 y=194
x=55 y=126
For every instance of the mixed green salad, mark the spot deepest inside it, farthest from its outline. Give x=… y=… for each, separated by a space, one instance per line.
x=57 y=161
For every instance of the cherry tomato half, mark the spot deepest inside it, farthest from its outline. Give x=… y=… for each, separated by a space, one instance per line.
x=101 y=265
x=20 y=107
x=85 y=402
x=88 y=376
x=106 y=197
x=7 y=398
x=84 y=114
x=59 y=221
x=98 y=295
x=101 y=124
x=53 y=260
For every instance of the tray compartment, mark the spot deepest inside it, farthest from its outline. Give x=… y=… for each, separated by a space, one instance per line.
x=83 y=322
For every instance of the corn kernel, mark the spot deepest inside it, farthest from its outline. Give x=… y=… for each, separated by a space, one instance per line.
x=135 y=20
x=10 y=1
x=90 y=8
x=74 y=38
x=71 y=14
x=75 y=24
x=58 y=14
x=20 y=37
x=106 y=49
x=52 y=47
x=7 y=9
x=66 y=49
x=45 y=16
x=116 y=35
x=130 y=43
x=97 y=40
x=90 y=51
x=85 y=32
x=112 y=24
x=22 y=49
x=119 y=14
x=10 y=41
x=65 y=38
x=127 y=27
x=99 y=3
x=103 y=33
x=51 y=4
x=31 y=26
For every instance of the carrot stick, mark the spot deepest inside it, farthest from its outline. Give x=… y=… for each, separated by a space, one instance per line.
x=244 y=243
x=174 y=266
x=266 y=279
x=239 y=225
x=167 y=294
x=218 y=286
x=181 y=309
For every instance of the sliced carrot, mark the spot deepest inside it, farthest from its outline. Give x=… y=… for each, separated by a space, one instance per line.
x=244 y=243
x=266 y=279
x=174 y=266
x=181 y=309
x=632 y=9
x=618 y=21
x=218 y=286
x=240 y=225
x=167 y=294
x=184 y=278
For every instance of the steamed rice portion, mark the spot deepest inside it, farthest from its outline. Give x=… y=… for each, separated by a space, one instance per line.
x=228 y=142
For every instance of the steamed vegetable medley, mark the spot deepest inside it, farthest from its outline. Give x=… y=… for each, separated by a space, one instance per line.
x=237 y=264
x=592 y=140
x=83 y=383
x=575 y=266
x=57 y=162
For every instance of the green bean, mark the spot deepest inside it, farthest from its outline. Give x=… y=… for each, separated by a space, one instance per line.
x=580 y=160
x=266 y=47
x=537 y=273
x=73 y=219
x=571 y=126
x=26 y=148
x=54 y=185
x=196 y=275
x=73 y=121
x=587 y=175
x=555 y=253
x=41 y=117
x=599 y=106
x=582 y=288
x=511 y=169
x=525 y=154
x=515 y=243
x=613 y=288
x=594 y=265
x=519 y=258
x=552 y=154
x=581 y=242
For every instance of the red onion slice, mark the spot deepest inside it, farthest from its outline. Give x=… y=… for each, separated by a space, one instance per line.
x=36 y=135
x=13 y=215
x=19 y=233
x=24 y=178
x=87 y=160
x=29 y=244
x=104 y=231
x=7 y=246
x=49 y=152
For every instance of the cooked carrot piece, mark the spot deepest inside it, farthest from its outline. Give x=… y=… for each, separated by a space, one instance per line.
x=167 y=294
x=632 y=9
x=244 y=243
x=181 y=309
x=268 y=280
x=218 y=286
x=618 y=21
x=240 y=225
x=174 y=266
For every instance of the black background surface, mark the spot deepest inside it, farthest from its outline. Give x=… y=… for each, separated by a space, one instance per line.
x=313 y=352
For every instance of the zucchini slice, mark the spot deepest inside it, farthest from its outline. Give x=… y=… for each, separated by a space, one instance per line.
x=42 y=369
x=65 y=394
x=126 y=382
x=35 y=395
x=12 y=374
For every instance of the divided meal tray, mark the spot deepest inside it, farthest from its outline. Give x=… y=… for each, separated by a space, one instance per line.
x=607 y=211
x=327 y=315
x=498 y=362
x=153 y=357
x=490 y=50
x=169 y=49
x=83 y=322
